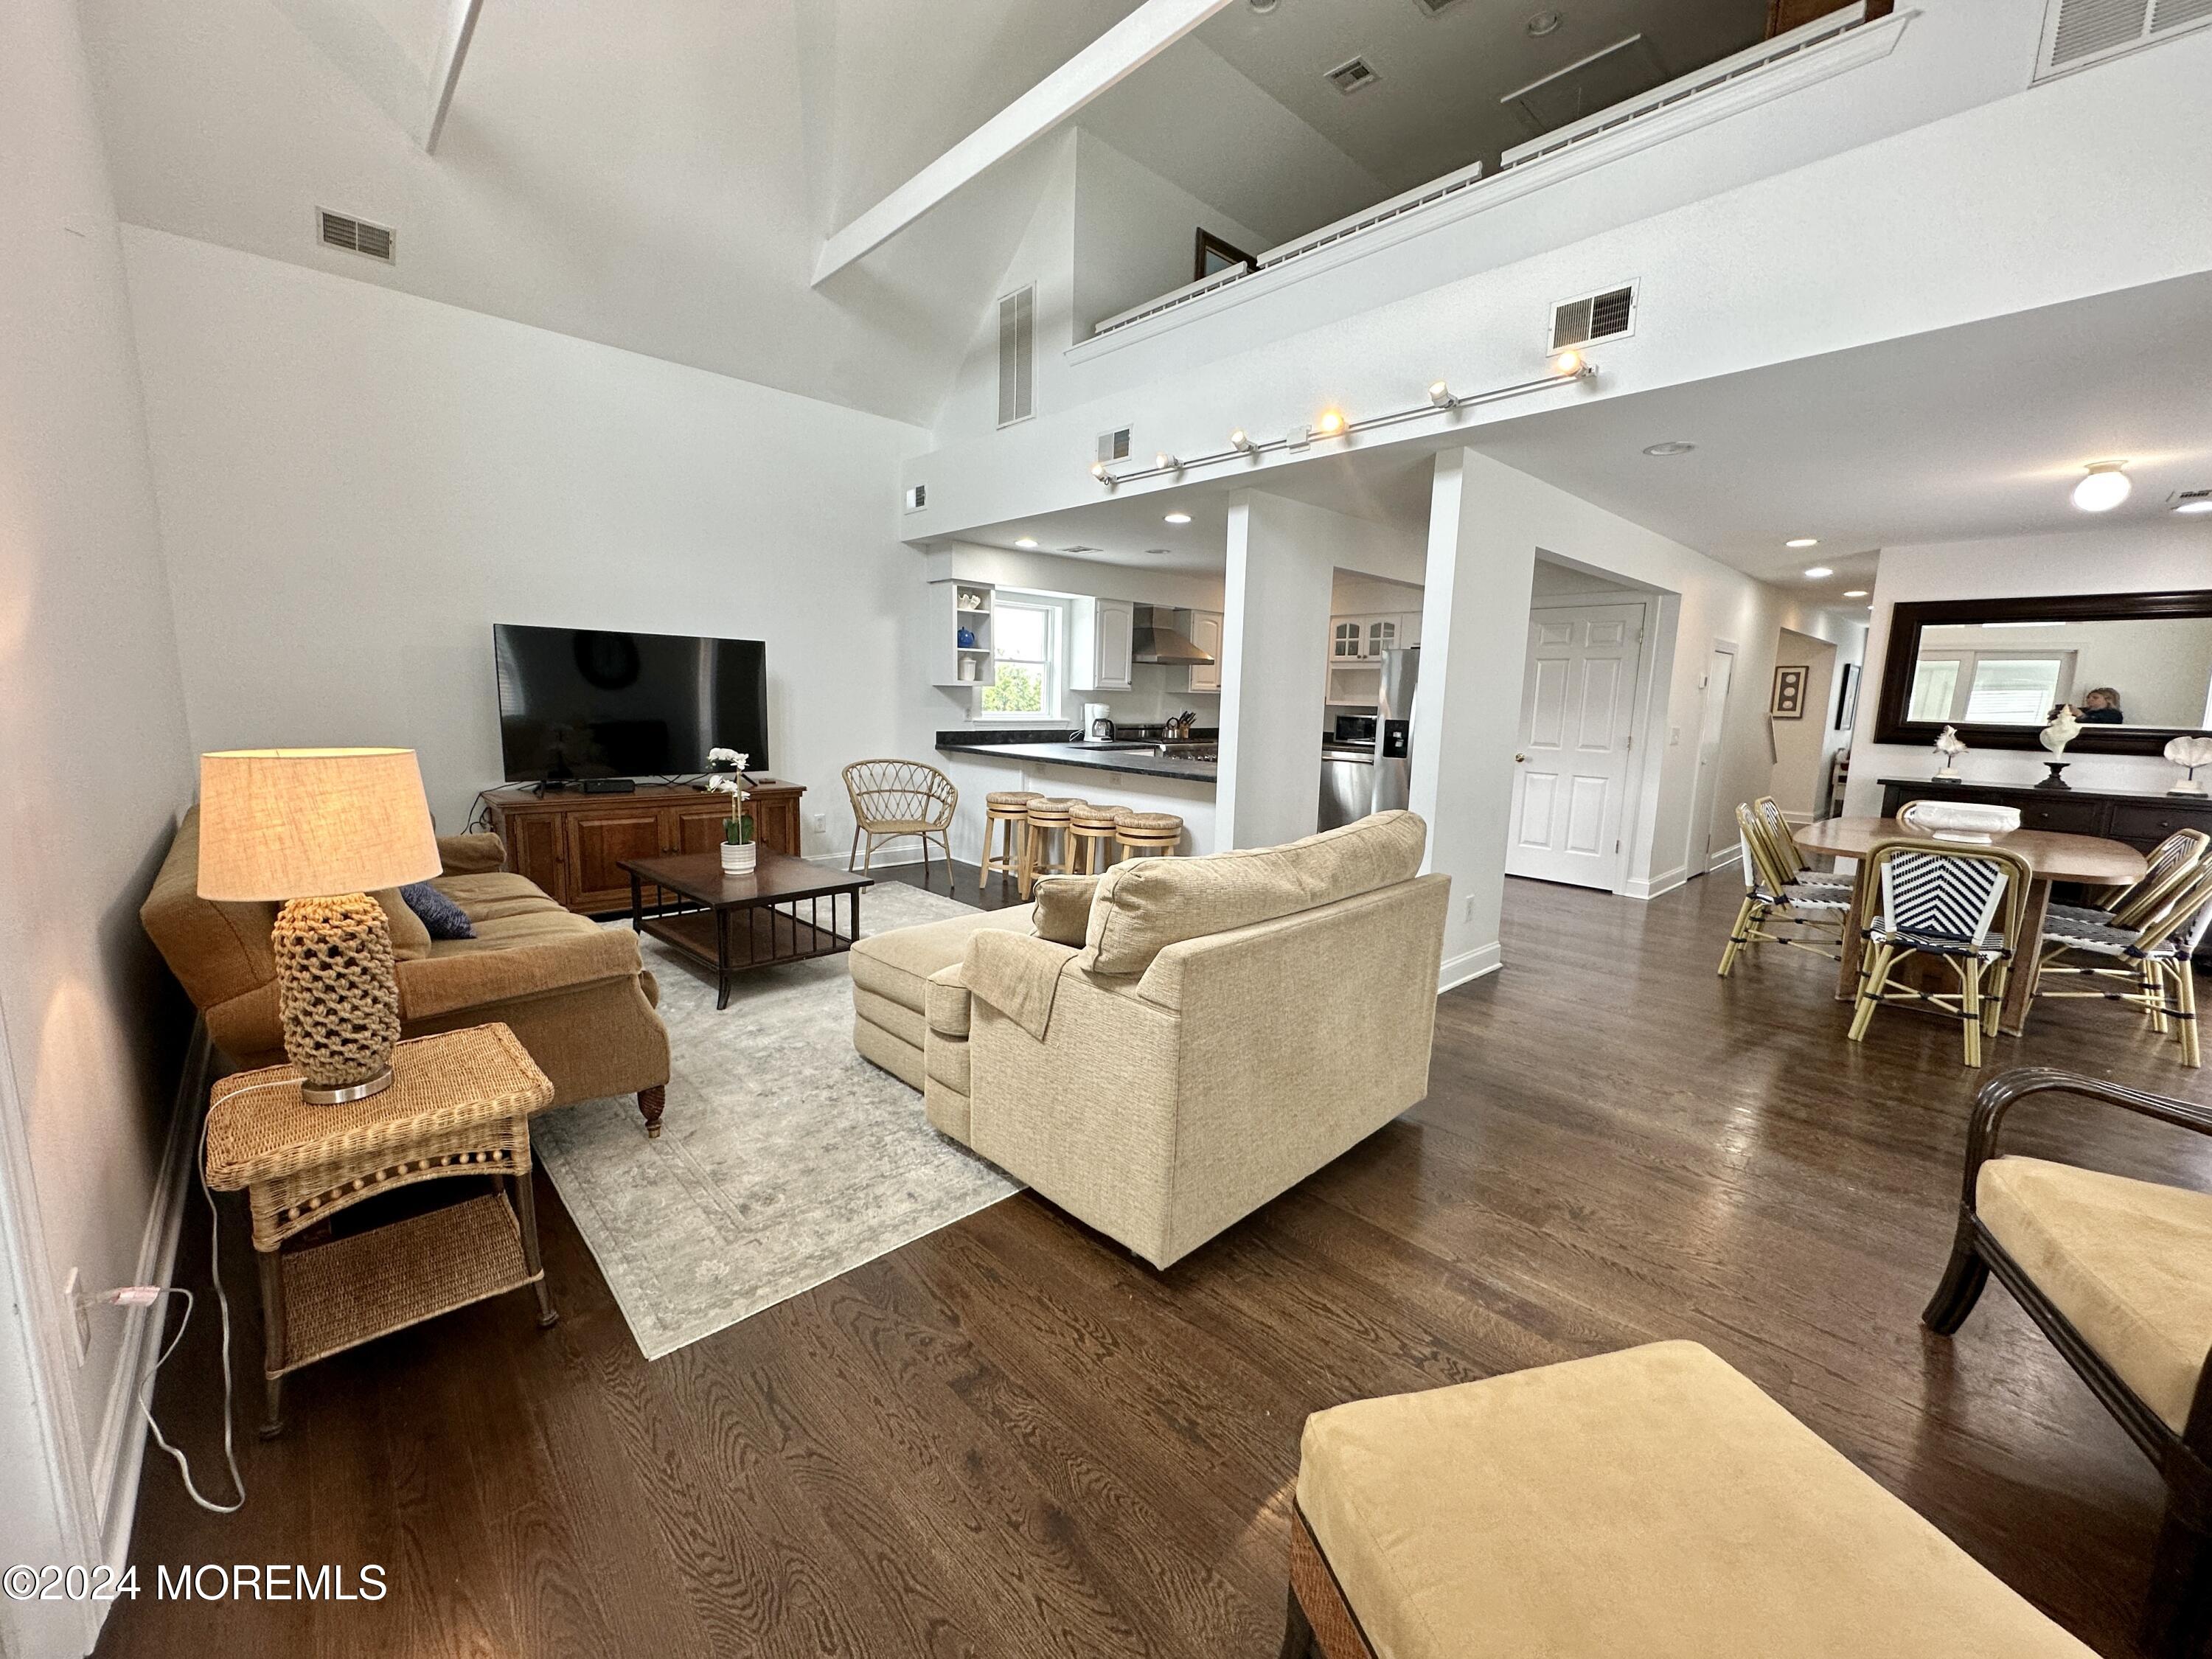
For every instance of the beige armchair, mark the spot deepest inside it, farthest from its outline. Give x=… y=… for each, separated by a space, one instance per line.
x=1167 y=1047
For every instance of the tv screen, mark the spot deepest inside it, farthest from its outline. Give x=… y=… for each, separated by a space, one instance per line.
x=579 y=702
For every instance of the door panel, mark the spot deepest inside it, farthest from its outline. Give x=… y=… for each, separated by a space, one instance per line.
x=694 y=829
x=597 y=848
x=1577 y=715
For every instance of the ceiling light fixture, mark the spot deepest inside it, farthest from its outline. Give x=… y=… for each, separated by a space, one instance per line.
x=1178 y=518
x=2104 y=488
x=1672 y=447
x=1441 y=395
x=1803 y=541
x=1240 y=441
x=1025 y=542
x=1263 y=7
x=1855 y=592
x=1330 y=424
x=1543 y=23
x=1567 y=365
x=1817 y=571
x=1167 y=463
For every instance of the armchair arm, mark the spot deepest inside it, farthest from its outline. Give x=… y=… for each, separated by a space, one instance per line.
x=472 y=855
x=1017 y=974
x=430 y=986
x=2006 y=1090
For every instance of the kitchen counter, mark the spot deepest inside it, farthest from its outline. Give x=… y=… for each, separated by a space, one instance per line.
x=1095 y=756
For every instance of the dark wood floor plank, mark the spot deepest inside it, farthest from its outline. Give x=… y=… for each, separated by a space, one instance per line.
x=1012 y=1437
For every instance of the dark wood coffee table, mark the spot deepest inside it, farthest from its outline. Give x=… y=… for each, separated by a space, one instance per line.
x=734 y=923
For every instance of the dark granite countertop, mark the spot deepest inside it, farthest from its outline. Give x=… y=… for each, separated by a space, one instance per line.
x=1050 y=746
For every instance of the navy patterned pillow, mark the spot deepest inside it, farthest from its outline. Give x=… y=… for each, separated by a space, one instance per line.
x=444 y=918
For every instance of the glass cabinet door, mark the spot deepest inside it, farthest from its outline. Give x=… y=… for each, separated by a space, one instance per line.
x=1381 y=636
x=1345 y=641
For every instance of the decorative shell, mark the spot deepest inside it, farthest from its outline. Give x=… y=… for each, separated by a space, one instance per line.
x=2191 y=753
x=1948 y=742
x=2061 y=731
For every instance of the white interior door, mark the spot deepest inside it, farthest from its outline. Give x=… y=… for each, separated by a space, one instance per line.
x=1705 y=810
x=1578 y=718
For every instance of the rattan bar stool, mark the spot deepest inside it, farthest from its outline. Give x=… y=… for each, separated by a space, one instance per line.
x=1149 y=832
x=1011 y=808
x=1041 y=855
x=1090 y=832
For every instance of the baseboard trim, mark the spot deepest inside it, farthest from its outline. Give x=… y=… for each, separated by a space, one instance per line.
x=1457 y=971
x=1652 y=887
x=1726 y=857
x=119 y=1455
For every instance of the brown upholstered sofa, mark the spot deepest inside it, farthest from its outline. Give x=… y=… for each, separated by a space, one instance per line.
x=576 y=993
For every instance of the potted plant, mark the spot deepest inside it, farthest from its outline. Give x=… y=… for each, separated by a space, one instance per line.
x=740 y=855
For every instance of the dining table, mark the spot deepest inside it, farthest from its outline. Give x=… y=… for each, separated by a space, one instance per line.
x=2091 y=860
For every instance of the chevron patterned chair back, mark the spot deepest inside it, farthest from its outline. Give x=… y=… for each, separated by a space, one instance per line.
x=1965 y=909
x=1941 y=896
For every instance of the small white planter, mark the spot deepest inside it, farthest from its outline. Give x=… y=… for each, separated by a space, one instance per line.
x=739 y=860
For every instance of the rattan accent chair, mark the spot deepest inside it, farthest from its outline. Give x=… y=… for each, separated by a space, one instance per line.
x=2150 y=957
x=2118 y=1274
x=1959 y=907
x=894 y=797
x=1772 y=901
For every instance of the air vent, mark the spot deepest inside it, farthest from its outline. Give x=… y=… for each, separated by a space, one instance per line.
x=1433 y=7
x=2077 y=32
x=1016 y=356
x=1606 y=316
x=1080 y=548
x=1353 y=74
x=1113 y=445
x=916 y=498
x=355 y=235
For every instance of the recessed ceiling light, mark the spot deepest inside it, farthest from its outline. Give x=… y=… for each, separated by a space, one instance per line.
x=1543 y=23
x=1025 y=541
x=2104 y=488
x=1672 y=447
x=1803 y=541
x=1178 y=518
x=1855 y=592
x=1817 y=571
x=1264 y=6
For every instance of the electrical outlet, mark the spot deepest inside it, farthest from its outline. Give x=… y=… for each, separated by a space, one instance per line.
x=80 y=1314
x=819 y=821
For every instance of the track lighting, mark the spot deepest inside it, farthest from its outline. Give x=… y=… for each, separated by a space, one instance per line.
x=1567 y=365
x=1330 y=424
x=1240 y=442
x=2104 y=488
x=1167 y=463
x=1098 y=470
x=1441 y=395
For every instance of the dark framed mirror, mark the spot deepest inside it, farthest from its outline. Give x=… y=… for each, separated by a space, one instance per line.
x=2136 y=668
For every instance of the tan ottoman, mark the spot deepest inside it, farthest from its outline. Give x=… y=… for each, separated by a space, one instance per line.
x=891 y=978
x=1651 y=1502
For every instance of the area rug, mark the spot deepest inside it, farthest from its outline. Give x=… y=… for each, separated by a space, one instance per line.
x=784 y=1158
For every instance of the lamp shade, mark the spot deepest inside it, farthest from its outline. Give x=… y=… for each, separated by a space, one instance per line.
x=286 y=823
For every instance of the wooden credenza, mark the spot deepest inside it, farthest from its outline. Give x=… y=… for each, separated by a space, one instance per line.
x=573 y=844
x=2141 y=821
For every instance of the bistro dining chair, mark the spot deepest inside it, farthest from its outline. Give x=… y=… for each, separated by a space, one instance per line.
x=2170 y=863
x=1771 y=900
x=894 y=797
x=1962 y=908
x=2147 y=966
x=1788 y=856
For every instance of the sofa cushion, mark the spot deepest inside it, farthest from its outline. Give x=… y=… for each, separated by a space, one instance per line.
x=1146 y=905
x=1651 y=1502
x=1062 y=911
x=881 y=1047
x=525 y=928
x=946 y=1001
x=898 y=965
x=902 y=1022
x=2127 y=1262
x=494 y=893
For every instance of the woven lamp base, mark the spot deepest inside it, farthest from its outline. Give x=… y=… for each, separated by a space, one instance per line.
x=338 y=996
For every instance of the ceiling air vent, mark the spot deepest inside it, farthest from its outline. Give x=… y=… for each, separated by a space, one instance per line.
x=1080 y=549
x=1016 y=356
x=1113 y=445
x=1606 y=316
x=2077 y=32
x=355 y=235
x=1433 y=7
x=1353 y=74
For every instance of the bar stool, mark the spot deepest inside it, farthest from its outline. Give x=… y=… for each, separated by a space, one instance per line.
x=1009 y=807
x=1047 y=816
x=1149 y=832
x=1091 y=832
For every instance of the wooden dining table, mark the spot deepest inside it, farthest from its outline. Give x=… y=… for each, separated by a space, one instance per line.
x=2091 y=860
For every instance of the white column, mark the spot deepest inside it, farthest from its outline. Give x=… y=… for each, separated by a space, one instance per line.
x=1274 y=668
x=1467 y=708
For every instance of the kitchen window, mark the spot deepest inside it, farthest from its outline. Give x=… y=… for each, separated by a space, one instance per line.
x=1028 y=639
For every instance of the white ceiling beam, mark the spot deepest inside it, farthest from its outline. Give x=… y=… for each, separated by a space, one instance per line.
x=1127 y=47
x=446 y=73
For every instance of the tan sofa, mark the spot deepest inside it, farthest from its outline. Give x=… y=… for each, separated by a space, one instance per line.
x=577 y=995
x=1161 y=1050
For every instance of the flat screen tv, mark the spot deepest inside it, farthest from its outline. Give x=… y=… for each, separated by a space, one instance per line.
x=579 y=702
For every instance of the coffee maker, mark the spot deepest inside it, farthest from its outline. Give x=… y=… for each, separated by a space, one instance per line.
x=1096 y=727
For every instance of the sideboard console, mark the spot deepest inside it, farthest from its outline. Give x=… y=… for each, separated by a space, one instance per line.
x=573 y=844
x=2141 y=821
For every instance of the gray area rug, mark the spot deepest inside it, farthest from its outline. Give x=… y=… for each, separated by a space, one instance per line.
x=784 y=1158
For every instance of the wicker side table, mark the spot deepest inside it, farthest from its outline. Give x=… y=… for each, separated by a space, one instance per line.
x=459 y=1104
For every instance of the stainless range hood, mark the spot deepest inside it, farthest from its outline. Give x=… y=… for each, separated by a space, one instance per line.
x=1164 y=635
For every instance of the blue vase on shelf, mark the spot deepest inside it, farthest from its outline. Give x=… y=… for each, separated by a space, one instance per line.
x=966 y=639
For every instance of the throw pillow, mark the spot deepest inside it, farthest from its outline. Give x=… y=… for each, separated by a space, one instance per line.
x=444 y=918
x=1063 y=908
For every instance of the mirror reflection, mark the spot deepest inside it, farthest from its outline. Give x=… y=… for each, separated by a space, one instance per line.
x=2145 y=671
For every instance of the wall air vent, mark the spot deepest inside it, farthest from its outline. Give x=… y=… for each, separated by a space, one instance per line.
x=2078 y=32
x=354 y=236
x=1016 y=356
x=1353 y=74
x=1113 y=445
x=1605 y=316
x=915 y=498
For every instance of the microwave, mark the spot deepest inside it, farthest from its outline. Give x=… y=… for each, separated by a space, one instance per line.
x=1355 y=728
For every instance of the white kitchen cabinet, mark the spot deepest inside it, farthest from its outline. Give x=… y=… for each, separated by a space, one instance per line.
x=1205 y=635
x=1381 y=636
x=960 y=610
x=1347 y=638
x=1100 y=653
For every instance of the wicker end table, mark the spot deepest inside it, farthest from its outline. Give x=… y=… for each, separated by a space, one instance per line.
x=459 y=1104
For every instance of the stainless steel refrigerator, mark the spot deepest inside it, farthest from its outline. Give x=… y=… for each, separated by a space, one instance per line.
x=1394 y=728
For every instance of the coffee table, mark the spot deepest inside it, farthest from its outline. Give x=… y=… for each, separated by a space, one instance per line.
x=731 y=924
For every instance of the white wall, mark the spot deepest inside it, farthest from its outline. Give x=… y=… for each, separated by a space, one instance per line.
x=98 y=765
x=2148 y=557
x=356 y=484
x=1136 y=233
x=1801 y=747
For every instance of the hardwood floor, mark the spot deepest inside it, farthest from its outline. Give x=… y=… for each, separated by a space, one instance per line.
x=1012 y=1438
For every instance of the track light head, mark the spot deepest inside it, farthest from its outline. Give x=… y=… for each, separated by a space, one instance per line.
x=1441 y=395
x=1167 y=463
x=1240 y=441
x=1568 y=365
x=1330 y=423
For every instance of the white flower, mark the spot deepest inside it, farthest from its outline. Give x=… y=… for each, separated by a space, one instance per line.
x=730 y=757
x=726 y=783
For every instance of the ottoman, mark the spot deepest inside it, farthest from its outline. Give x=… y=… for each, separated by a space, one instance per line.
x=891 y=978
x=1651 y=1503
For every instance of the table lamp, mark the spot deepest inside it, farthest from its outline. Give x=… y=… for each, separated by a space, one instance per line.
x=321 y=829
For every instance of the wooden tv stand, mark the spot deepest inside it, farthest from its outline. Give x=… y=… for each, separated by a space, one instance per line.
x=573 y=844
